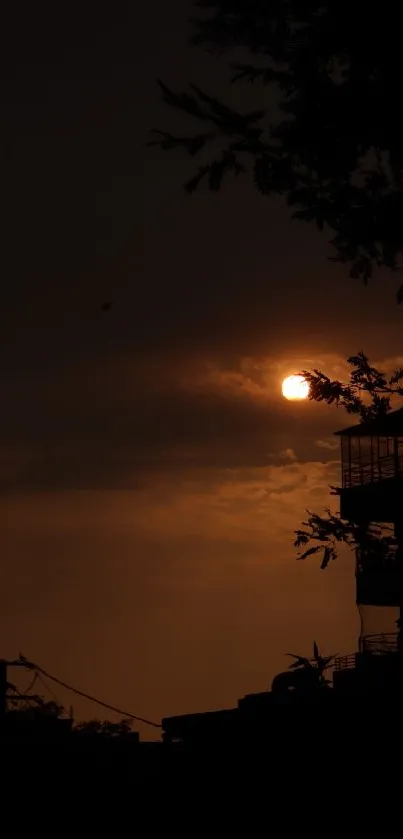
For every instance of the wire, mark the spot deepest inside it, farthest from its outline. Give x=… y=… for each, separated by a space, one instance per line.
x=31 y=684
x=27 y=699
x=49 y=690
x=125 y=714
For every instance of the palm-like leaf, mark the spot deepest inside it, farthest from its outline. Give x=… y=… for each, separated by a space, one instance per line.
x=317 y=662
x=300 y=661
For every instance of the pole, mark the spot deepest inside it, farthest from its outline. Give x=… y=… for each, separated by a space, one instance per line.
x=3 y=690
x=398 y=528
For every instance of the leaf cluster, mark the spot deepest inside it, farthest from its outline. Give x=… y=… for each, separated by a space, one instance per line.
x=334 y=150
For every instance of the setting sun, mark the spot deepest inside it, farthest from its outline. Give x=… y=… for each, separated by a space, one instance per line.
x=295 y=387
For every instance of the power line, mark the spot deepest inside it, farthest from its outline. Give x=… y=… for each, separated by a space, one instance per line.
x=46 y=686
x=31 y=684
x=18 y=695
x=126 y=714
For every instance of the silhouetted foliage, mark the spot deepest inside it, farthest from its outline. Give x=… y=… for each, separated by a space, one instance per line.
x=325 y=533
x=328 y=136
x=103 y=728
x=367 y=394
x=35 y=710
x=317 y=662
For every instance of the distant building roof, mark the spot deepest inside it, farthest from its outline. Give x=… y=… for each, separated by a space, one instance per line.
x=390 y=425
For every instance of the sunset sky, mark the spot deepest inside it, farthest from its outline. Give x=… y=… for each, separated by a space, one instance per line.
x=151 y=473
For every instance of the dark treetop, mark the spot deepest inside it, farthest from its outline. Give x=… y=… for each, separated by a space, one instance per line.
x=335 y=149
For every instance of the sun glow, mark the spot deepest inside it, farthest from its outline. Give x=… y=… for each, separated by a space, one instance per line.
x=295 y=387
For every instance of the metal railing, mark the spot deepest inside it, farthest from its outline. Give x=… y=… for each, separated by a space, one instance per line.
x=384 y=644
x=380 y=644
x=369 y=473
x=344 y=662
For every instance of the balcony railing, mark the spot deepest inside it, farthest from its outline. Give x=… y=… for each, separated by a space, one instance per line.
x=380 y=644
x=385 y=644
x=369 y=473
x=344 y=662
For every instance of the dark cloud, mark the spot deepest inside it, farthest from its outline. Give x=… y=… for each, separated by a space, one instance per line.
x=113 y=425
x=91 y=214
x=116 y=422
x=330 y=445
x=151 y=475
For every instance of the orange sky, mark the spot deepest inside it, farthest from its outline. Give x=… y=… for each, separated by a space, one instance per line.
x=175 y=588
x=151 y=475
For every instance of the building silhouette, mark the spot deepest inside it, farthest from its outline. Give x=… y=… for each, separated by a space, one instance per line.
x=371 y=495
x=362 y=701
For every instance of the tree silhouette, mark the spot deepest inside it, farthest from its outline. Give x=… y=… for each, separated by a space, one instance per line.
x=36 y=710
x=104 y=728
x=328 y=137
x=324 y=533
x=368 y=394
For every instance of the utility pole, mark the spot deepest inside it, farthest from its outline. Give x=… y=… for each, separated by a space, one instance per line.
x=3 y=690
x=4 y=686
